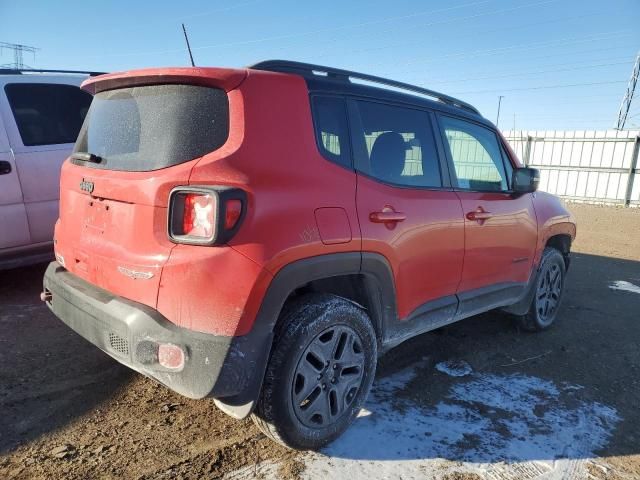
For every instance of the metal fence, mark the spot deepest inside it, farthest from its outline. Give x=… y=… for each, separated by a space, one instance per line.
x=587 y=166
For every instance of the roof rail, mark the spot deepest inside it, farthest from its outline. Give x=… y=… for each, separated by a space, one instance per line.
x=286 y=66
x=20 y=71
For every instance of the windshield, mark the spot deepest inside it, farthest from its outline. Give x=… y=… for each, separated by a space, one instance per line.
x=153 y=127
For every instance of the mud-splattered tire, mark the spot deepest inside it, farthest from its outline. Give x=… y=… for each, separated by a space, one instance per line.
x=319 y=374
x=548 y=291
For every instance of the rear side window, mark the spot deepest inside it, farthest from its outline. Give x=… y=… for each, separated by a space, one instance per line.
x=153 y=127
x=400 y=147
x=332 y=130
x=47 y=114
x=476 y=155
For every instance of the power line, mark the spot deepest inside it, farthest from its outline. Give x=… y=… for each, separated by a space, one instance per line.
x=313 y=32
x=355 y=25
x=542 y=87
x=528 y=58
x=522 y=74
x=221 y=10
x=587 y=99
x=529 y=46
x=450 y=20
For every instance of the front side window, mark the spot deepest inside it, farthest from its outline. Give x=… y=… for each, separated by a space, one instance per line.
x=47 y=114
x=476 y=155
x=399 y=145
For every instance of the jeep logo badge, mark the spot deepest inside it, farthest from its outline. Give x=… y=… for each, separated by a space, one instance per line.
x=86 y=186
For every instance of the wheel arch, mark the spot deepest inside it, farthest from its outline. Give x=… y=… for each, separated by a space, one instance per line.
x=361 y=277
x=562 y=243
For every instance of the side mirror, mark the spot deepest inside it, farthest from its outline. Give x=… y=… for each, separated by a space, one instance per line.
x=525 y=180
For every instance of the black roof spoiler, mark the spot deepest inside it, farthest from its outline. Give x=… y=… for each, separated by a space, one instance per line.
x=308 y=69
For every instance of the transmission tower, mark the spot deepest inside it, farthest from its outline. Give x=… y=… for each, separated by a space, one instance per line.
x=18 y=51
x=628 y=95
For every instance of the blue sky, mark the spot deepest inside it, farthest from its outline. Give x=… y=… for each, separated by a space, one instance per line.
x=473 y=49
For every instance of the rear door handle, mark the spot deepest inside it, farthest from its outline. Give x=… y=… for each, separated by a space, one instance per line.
x=5 y=167
x=479 y=215
x=387 y=215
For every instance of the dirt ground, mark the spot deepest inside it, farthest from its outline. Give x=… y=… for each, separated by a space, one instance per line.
x=69 y=411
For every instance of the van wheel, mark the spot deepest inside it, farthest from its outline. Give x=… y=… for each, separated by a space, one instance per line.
x=549 y=288
x=319 y=374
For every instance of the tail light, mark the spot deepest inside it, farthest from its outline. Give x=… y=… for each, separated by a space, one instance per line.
x=205 y=215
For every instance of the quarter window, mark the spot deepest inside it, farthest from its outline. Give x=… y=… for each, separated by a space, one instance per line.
x=476 y=155
x=332 y=131
x=47 y=114
x=397 y=145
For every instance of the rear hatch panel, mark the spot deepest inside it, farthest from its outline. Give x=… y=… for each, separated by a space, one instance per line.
x=115 y=237
x=148 y=129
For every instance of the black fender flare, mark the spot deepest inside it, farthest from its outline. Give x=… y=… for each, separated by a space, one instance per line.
x=380 y=288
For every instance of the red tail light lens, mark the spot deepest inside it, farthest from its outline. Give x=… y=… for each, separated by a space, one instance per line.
x=205 y=215
x=233 y=210
x=198 y=218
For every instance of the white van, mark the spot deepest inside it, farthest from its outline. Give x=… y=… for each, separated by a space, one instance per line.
x=41 y=113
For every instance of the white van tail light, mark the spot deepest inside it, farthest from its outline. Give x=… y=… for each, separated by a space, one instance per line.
x=205 y=215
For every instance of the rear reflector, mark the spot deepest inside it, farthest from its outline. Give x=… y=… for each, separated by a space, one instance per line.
x=170 y=356
x=233 y=211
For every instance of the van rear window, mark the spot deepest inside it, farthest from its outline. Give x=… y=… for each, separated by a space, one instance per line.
x=153 y=127
x=47 y=113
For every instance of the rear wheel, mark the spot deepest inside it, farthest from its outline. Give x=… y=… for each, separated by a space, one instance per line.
x=320 y=372
x=549 y=288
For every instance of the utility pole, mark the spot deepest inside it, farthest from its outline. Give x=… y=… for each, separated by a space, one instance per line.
x=628 y=95
x=500 y=97
x=186 y=39
x=18 y=51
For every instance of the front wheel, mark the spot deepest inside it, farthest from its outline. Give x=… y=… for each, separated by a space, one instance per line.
x=549 y=288
x=320 y=372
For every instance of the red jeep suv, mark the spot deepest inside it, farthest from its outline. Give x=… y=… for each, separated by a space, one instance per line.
x=262 y=235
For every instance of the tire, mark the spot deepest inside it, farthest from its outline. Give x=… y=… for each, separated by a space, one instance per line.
x=548 y=292
x=305 y=401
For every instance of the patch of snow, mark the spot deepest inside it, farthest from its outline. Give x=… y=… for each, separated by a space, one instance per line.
x=495 y=426
x=454 y=368
x=624 y=286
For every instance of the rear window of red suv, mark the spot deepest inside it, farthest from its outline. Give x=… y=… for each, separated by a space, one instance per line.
x=153 y=127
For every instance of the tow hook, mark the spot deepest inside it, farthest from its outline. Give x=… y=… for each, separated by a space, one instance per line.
x=46 y=296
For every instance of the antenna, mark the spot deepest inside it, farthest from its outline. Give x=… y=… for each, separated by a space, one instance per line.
x=628 y=95
x=18 y=50
x=186 y=39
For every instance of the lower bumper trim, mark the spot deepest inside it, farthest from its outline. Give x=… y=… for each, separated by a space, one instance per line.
x=131 y=332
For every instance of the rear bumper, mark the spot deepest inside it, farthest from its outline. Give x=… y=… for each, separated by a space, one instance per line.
x=130 y=332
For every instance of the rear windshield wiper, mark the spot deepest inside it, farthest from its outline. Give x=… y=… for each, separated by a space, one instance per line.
x=86 y=157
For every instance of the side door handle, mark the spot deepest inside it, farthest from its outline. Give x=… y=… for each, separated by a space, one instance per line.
x=5 y=167
x=479 y=215
x=387 y=216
